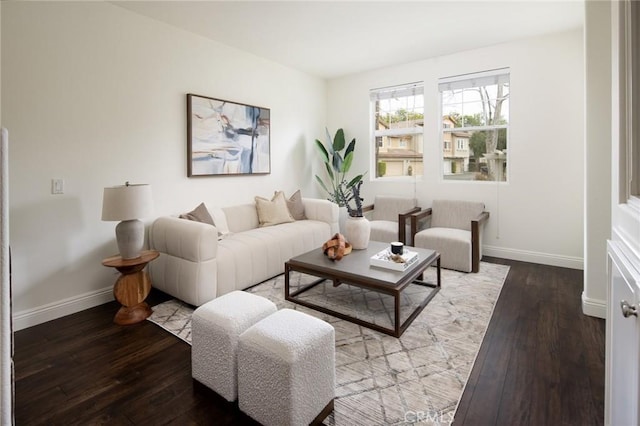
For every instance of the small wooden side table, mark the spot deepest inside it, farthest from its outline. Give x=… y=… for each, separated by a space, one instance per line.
x=132 y=287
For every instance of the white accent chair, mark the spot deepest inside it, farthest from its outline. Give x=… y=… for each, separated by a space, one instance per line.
x=286 y=369
x=455 y=232
x=389 y=217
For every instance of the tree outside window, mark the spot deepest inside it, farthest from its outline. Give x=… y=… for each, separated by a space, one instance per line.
x=475 y=114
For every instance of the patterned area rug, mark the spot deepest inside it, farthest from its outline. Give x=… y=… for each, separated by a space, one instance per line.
x=417 y=378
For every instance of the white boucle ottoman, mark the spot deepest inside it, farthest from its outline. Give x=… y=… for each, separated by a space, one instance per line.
x=286 y=369
x=215 y=327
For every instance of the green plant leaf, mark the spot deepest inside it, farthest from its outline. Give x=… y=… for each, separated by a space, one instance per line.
x=354 y=181
x=322 y=184
x=351 y=147
x=323 y=151
x=329 y=171
x=338 y=141
x=347 y=162
x=329 y=142
x=337 y=162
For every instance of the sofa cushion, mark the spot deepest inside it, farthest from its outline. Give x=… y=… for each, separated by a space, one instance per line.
x=388 y=207
x=241 y=217
x=455 y=214
x=385 y=231
x=219 y=220
x=199 y=214
x=454 y=246
x=274 y=211
x=265 y=250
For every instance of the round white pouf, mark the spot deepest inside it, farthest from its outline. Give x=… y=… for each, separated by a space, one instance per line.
x=215 y=328
x=286 y=369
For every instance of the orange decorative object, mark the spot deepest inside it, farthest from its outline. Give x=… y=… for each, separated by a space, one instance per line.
x=337 y=247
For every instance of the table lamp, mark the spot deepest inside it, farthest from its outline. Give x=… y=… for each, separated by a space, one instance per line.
x=128 y=203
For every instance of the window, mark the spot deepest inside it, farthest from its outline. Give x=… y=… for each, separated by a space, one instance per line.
x=398 y=121
x=475 y=114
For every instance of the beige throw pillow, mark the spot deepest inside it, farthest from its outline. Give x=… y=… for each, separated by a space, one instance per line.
x=199 y=214
x=295 y=205
x=274 y=211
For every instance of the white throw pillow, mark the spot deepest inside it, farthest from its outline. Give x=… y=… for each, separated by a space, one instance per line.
x=220 y=220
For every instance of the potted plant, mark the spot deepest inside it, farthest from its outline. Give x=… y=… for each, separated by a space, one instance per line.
x=337 y=157
x=356 y=211
x=357 y=229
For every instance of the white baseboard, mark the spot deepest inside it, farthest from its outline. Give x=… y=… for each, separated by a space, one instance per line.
x=534 y=257
x=594 y=307
x=61 y=308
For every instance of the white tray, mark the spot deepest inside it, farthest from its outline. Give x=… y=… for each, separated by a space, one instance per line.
x=382 y=259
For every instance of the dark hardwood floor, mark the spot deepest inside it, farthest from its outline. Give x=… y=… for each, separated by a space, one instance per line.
x=541 y=363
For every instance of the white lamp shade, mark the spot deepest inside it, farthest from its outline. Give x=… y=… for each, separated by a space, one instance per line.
x=127 y=202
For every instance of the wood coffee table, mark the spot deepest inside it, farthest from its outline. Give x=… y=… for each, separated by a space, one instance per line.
x=355 y=270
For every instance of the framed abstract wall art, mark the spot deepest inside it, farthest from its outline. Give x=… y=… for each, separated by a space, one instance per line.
x=226 y=138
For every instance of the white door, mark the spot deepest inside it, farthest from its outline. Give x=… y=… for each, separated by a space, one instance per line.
x=623 y=338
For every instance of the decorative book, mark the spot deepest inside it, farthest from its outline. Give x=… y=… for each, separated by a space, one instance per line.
x=385 y=259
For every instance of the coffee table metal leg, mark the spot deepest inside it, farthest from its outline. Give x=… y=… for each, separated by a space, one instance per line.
x=287 y=269
x=397 y=324
x=287 y=286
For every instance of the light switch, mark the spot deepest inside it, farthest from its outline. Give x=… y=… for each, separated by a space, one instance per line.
x=57 y=186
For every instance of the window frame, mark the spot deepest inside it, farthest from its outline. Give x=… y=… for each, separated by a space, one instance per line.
x=418 y=86
x=501 y=75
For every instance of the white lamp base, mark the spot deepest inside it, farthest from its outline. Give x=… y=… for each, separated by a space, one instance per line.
x=130 y=238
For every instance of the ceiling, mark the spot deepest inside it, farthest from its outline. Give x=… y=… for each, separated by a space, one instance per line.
x=333 y=38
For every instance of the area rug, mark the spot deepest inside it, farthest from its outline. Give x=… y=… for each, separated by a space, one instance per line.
x=383 y=380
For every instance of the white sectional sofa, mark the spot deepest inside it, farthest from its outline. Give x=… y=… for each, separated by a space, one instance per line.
x=196 y=264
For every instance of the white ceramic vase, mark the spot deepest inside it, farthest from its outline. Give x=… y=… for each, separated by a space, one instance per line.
x=357 y=231
x=342 y=219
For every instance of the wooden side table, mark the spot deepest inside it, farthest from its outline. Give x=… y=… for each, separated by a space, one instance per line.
x=132 y=287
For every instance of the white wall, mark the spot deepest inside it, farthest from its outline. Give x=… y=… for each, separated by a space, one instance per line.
x=597 y=208
x=538 y=215
x=95 y=95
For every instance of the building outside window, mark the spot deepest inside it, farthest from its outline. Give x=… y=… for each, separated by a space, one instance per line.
x=475 y=114
x=398 y=121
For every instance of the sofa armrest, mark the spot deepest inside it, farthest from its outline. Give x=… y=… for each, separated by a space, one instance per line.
x=402 y=223
x=187 y=266
x=415 y=218
x=324 y=211
x=187 y=239
x=476 y=240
